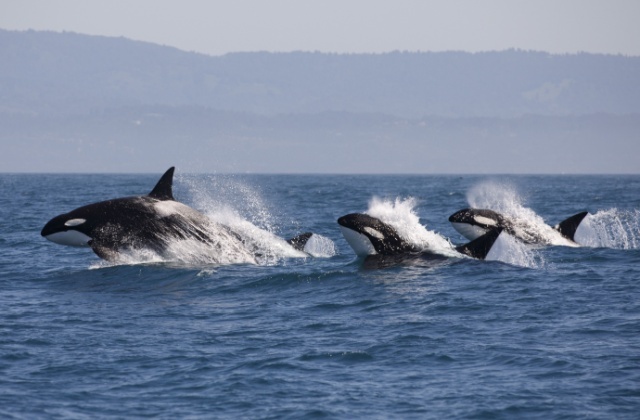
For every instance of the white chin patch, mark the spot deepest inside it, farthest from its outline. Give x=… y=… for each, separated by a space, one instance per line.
x=470 y=232
x=361 y=245
x=69 y=238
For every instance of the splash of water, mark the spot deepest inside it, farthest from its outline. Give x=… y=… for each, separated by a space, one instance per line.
x=238 y=229
x=241 y=208
x=401 y=215
x=225 y=196
x=509 y=250
x=505 y=199
x=611 y=228
x=320 y=247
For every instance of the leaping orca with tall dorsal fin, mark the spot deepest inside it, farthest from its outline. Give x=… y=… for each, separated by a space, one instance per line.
x=147 y=222
x=473 y=223
x=369 y=236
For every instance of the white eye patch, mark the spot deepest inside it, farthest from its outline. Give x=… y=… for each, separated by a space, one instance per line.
x=373 y=232
x=485 y=220
x=74 y=222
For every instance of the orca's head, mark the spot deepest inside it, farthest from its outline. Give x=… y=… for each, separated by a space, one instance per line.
x=370 y=236
x=473 y=223
x=74 y=228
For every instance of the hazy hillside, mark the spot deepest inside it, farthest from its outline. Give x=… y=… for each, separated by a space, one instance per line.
x=46 y=72
x=76 y=103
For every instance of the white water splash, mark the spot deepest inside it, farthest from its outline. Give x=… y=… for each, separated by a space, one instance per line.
x=240 y=207
x=320 y=247
x=611 y=228
x=227 y=214
x=504 y=198
x=509 y=250
x=401 y=215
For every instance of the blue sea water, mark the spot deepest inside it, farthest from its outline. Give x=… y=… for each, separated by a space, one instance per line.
x=550 y=332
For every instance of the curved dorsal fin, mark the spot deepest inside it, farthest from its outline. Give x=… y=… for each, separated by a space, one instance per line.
x=164 y=188
x=568 y=227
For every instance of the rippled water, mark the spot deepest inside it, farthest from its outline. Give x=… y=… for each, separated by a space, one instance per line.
x=545 y=332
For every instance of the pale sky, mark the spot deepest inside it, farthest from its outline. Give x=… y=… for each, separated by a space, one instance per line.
x=217 y=27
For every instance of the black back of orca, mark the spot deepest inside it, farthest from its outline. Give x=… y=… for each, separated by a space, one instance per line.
x=130 y=222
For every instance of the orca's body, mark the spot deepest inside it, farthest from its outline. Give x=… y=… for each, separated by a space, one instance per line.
x=369 y=236
x=473 y=223
x=148 y=222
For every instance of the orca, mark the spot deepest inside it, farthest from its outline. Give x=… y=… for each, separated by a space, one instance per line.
x=147 y=222
x=370 y=236
x=473 y=223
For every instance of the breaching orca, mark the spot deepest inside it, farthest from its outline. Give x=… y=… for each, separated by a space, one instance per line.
x=369 y=236
x=148 y=222
x=473 y=223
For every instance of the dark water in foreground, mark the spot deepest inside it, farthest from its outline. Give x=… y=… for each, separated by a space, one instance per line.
x=554 y=333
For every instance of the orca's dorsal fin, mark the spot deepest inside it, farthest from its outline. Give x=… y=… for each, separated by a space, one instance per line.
x=300 y=241
x=164 y=188
x=568 y=227
x=480 y=247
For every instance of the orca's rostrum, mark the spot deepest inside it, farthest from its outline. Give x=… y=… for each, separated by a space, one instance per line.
x=148 y=222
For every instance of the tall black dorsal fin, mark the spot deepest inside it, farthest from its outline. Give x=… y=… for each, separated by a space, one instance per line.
x=164 y=188
x=480 y=247
x=568 y=227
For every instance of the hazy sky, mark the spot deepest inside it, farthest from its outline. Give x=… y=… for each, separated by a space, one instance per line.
x=217 y=27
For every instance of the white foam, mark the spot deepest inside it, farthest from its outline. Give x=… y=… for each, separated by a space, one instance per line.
x=401 y=216
x=240 y=207
x=320 y=246
x=509 y=250
x=504 y=198
x=232 y=210
x=610 y=228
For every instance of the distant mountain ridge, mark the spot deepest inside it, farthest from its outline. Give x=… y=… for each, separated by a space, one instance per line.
x=48 y=73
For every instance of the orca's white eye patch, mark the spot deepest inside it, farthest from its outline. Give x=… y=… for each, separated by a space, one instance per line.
x=371 y=231
x=74 y=222
x=485 y=220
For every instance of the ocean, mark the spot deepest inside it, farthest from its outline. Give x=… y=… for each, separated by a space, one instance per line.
x=541 y=332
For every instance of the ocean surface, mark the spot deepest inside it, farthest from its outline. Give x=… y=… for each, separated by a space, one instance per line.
x=541 y=332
